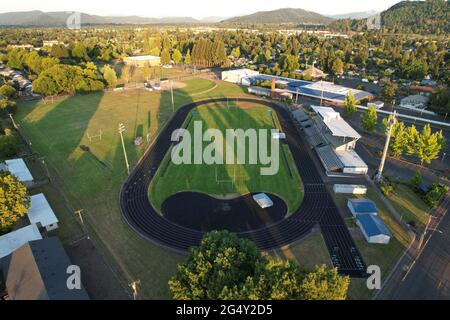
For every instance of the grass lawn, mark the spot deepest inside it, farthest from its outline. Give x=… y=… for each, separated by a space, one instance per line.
x=172 y=178
x=384 y=256
x=309 y=253
x=58 y=129
x=196 y=86
x=409 y=205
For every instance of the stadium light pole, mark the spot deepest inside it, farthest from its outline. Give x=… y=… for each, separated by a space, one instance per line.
x=392 y=122
x=121 y=131
x=171 y=93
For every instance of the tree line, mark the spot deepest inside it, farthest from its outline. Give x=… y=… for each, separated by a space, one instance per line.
x=225 y=267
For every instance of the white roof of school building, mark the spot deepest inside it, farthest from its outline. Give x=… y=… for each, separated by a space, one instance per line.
x=14 y=240
x=41 y=212
x=18 y=168
x=338 y=126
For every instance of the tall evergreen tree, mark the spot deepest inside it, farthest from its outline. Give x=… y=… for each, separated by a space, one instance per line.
x=165 y=57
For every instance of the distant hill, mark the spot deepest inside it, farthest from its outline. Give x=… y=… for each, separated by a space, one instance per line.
x=354 y=15
x=58 y=19
x=421 y=17
x=431 y=16
x=282 y=16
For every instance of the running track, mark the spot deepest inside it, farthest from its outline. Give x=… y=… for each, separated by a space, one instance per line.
x=317 y=207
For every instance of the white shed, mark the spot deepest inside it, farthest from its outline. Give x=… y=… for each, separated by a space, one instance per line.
x=12 y=241
x=350 y=188
x=18 y=168
x=41 y=213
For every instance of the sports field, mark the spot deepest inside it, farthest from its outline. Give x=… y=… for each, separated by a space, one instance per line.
x=58 y=128
x=229 y=180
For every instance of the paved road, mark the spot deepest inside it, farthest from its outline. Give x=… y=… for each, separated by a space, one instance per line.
x=429 y=277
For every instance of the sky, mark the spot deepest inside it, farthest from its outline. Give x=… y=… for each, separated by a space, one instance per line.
x=193 y=8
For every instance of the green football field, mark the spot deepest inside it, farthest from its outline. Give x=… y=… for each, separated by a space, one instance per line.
x=228 y=180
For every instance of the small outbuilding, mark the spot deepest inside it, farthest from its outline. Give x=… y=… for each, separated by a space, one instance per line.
x=362 y=206
x=19 y=168
x=41 y=213
x=349 y=188
x=278 y=135
x=263 y=200
x=15 y=239
x=376 y=104
x=373 y=229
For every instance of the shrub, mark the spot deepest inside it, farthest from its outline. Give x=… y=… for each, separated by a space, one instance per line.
x=436 y=193
x=9 y=146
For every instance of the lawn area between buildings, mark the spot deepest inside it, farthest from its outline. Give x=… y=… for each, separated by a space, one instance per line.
x=384 y=256
x=409 y=205
x=230 y=179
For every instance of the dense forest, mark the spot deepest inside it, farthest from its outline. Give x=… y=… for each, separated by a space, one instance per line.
x=419 y=17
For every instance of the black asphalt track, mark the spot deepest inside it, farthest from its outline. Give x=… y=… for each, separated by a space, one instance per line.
x=204 y=213
x=316 y=208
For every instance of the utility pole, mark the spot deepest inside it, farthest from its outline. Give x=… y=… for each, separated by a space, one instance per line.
x=80 y=216
x=392 y=122
x=134 y=288
x=171 y=93
x=121 y=130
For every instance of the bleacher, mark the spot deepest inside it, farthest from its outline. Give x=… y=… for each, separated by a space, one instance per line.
x=299 y=115
x=329 y=159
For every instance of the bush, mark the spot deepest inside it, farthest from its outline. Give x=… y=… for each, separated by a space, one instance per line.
x=386 y=189
x=7 y=106
x=9 y=146
x=436 y=193
x=417 y=179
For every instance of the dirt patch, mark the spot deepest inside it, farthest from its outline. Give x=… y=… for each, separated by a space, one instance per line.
x=246 y=105
x=97 y=277
x=165 y=85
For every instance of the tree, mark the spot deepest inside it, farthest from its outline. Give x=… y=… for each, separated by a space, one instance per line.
x=338 y=66
x=177 y=56
x=187 y=58
x=109 y=75
x=399 y=140
x=7 y=106
x=389 y=90
x=79 y=51
x=165 y=57
x=221 y=263
x=16 y=58
x=236 y=52
x=59 y=51
x=7 y=91
x=428 y=145
x=274 y=280
x=227 y=267
x=14 y=200
x=350 y=105
x=369 y=120
x=323 y=284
